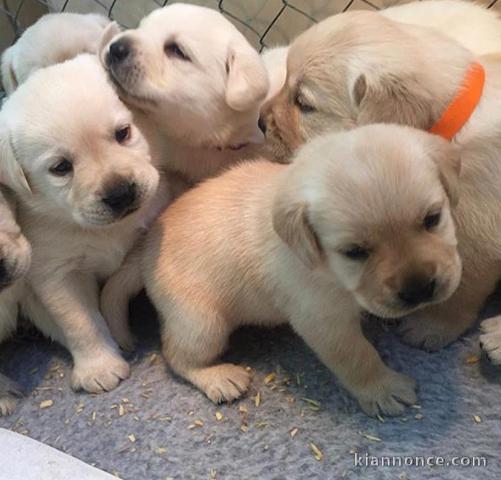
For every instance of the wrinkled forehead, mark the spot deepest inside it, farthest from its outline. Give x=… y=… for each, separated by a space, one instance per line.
x=187 y=22
x=377 y=190
x=52 y=110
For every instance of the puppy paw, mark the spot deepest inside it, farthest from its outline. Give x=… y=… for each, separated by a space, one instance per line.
x=226 y=382
x=7 y=404
x=101 y=373
x=388 y=395
x=10 y=392
x=427 y=333
x=490 y=340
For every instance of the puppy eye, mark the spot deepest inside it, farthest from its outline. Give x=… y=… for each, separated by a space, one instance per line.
x=174 y=50
x=356 y=252
x=61 y=168
x=432 y=220
x=303 y=105
x=123 y=134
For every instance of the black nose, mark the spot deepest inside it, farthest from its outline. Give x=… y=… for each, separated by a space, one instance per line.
x=119 y=51
x=121 y=196
x=417 y=290
x=261 y=124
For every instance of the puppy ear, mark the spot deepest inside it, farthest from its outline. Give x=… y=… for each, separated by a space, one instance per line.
x=391 y=99
x=9 y=79
x=111 y=31
x=11 y=173
x=291 y=223
x=448 y=160
x=248 y=82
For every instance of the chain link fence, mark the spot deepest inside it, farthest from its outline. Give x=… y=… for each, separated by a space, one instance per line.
x=264 y=22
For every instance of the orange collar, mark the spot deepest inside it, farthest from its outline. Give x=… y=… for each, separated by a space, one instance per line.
x=463 y=105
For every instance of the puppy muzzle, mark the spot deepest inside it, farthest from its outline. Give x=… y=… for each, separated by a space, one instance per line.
x=122 y=198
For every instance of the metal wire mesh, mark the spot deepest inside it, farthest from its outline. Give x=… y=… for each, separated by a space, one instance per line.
x=263 y=22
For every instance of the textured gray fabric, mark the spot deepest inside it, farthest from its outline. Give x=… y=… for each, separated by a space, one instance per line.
x=162 y=413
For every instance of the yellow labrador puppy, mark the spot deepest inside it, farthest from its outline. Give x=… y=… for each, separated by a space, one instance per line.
x=54 y=38
x=195 y=86
x=360 y=221
x=86 y=189
x=15 y=259
x=453 y=18
x=361 y=68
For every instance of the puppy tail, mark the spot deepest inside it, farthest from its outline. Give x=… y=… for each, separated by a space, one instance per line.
x=124 y=284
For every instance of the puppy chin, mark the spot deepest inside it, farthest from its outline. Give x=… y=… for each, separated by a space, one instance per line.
x=126 y=85
x=391 y=308
x=93 y=219
x=281 y=151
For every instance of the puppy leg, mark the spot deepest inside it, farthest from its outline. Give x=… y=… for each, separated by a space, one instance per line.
x=439 y=325
x=124 y=284
x=10 y=392
x=343 y=348
x=490 y=340
x=191 y=344
x=72 y=303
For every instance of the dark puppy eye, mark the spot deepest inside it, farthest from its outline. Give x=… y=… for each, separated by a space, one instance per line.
x=356 y=252
x=122 y=134
x=62 y=168
x=172 y=49
x=432 y=220
x=302 y=104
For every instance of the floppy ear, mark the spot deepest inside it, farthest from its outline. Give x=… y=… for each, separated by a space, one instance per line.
x=11 y=173
x=448 y=159
x=390 y=98
x=111 y=31
x=9 y=79
x=248 y=82
x=291 y=223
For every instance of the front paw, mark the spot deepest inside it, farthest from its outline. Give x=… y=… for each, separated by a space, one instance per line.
x=387 y=394
x=10 y=392
x=490 y=340
x=423 y=330
x=99 y=373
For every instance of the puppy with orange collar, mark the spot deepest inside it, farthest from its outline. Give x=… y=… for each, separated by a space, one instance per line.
x=361 y=68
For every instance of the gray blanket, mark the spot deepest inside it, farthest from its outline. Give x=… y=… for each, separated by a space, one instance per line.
x=297 y=422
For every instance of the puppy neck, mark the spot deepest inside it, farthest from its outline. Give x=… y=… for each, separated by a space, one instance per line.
x=463 y=105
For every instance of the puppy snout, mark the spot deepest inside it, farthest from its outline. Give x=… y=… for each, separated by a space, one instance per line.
x=262 y=124
x=119 y=51
x=417 y=289
x=121 y=197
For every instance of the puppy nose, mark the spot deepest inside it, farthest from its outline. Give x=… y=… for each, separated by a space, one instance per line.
x=417 y=290
x=261 y=123
x=121 y=196
x=119 y=51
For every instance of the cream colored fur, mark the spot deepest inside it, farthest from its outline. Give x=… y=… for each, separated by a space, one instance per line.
x=15 y=254
x=54 y=38
x=70 y=111
x=467 y=22
x=200 y=112
x=265 y=244
x=472 y=25
x=355 y=69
